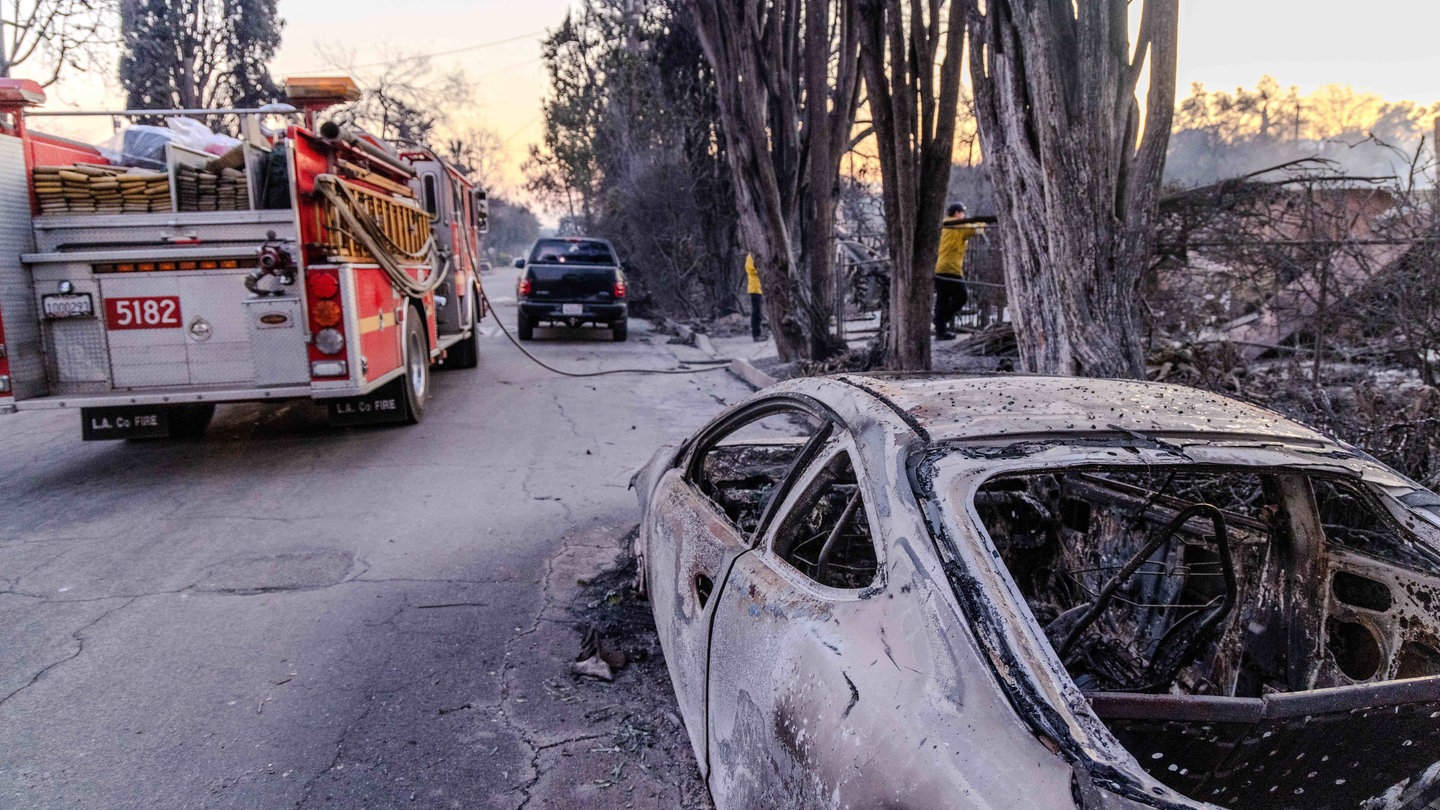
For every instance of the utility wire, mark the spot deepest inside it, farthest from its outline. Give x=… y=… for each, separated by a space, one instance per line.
x=531 y=61
x=412 y=57
x=541 y=363
x=522 y=129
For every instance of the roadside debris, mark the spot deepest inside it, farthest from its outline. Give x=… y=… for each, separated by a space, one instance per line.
x=595 y=659
x=641 y=743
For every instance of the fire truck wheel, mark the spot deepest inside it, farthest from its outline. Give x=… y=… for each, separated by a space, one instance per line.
x=524 y=327
x=190 y=421
x=417 y=369
x=466 y=353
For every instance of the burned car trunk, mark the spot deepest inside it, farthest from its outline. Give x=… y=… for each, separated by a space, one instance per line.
x=1254 y=637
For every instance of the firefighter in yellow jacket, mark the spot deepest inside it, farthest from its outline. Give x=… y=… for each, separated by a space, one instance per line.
x=950 y=295
x=752 y=286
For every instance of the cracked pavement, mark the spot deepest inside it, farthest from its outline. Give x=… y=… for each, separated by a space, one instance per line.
x=287 y=615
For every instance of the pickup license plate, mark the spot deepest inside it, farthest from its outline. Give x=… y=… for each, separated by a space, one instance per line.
x=158 y=312
x=572 y=309
x=67 y=305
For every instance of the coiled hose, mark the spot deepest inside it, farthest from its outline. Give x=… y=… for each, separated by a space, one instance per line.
x=374 y=239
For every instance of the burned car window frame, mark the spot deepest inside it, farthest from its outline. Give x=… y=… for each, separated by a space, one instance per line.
x=691 y=461
x=840 y=445
x=948 y=475
x=1382 y=506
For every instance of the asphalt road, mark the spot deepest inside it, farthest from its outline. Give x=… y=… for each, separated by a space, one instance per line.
x=289 y=615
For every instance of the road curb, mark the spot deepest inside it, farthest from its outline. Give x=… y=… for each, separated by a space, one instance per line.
x=743 y=369
x=751 y=375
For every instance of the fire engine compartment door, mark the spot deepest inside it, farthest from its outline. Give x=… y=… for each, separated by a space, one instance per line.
x=177 y=328
x=277 y=340
x=17 y=306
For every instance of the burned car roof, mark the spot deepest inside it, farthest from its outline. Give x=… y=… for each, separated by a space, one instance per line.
x=1015 y=406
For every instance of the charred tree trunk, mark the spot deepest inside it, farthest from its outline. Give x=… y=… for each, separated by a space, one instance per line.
x=830 y=29
x=785 y=112
x=913 y=104
x=1076 y=173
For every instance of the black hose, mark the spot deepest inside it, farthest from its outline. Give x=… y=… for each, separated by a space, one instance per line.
x=541 y=363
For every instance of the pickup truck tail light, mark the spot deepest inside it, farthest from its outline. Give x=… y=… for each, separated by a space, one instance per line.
x=524 y=287
x=619 y=287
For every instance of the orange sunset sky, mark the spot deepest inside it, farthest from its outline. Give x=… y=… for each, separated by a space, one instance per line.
x=1390 y=47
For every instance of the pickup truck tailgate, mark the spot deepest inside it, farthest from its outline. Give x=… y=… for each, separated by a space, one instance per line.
x=558 y=282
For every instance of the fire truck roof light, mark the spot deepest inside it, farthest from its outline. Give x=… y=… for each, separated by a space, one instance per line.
x=21 y=93
x=314 y=89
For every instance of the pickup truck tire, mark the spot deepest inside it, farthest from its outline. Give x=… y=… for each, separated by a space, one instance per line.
x=190 y=421
x=466 y=353
x=416 y=379
x=619 y=330
x=524 y=327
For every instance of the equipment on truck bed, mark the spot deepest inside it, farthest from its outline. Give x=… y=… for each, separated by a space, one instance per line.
x=310 y=264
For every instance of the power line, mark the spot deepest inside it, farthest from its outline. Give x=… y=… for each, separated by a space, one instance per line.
x=492 y=71
x=414 y=56
x=522 y=128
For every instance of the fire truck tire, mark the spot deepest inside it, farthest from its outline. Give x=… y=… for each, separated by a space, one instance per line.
x=190 y=421
x=466 y=353
x=524 y=327
x=417 y=369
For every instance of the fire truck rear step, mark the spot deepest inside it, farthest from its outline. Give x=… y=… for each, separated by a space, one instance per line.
x=176 y=395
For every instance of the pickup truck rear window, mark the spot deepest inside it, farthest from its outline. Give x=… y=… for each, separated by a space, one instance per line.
x=571 y=251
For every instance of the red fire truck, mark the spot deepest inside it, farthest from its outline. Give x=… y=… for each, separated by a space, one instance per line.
x=311 y=262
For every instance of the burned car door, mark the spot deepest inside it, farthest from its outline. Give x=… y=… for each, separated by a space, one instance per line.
x=703 y=513
x=834 y=674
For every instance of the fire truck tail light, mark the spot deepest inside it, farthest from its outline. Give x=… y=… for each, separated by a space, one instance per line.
x=619 y=288
x=329 y=341
x=323 y=285
x=325 y=313
x=329 y=368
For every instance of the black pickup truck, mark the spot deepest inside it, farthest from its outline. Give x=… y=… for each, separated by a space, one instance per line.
x=572 y=281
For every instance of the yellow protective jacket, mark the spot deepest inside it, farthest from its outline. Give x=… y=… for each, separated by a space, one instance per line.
x=752 y=276
x=955 y=237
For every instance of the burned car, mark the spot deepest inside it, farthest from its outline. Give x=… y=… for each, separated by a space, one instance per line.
x=1039 y=592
